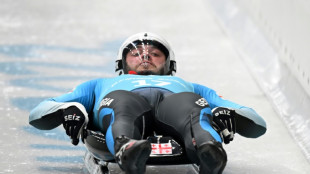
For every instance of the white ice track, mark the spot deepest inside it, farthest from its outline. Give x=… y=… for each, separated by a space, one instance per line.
x=48 y=47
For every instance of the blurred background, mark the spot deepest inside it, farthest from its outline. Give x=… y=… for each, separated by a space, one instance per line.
x=255 y=53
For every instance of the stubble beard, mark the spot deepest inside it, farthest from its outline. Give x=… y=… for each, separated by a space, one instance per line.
x=147 y=71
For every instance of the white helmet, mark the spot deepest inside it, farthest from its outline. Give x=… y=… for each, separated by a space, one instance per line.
x=149 y=38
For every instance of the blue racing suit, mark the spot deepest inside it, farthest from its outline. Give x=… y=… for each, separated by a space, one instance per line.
x=91 y=94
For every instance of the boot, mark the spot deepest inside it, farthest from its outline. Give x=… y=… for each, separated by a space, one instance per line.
x=131 y=155
x=212 y=158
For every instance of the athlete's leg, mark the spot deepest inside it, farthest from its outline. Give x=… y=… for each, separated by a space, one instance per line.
x=187 y=116
x=123 y=116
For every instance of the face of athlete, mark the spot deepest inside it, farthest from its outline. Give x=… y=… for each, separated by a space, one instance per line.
x=146 y=59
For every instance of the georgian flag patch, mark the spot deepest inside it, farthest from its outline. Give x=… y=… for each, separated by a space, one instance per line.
x=161 y=149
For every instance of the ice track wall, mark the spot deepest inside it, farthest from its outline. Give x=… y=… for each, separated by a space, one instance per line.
x=273 y=39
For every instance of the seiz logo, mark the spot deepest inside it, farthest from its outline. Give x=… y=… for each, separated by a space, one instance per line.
x=202 y=102
x=222 y=112
x=73 y=117
x=106 y=102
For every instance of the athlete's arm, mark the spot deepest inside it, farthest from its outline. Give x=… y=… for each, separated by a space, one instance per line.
x=47 y=115
x=248 y=122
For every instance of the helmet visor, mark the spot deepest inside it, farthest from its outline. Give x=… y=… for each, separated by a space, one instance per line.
x=145 y=56
x=144 y=45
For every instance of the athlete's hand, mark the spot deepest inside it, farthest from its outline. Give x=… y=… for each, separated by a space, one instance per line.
x=224 y=123
x=74 y=121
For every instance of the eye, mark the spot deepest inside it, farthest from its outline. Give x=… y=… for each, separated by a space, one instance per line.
x=155 y=55
x=135 y=53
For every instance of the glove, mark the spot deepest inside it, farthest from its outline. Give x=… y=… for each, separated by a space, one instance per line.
x=224 y=123
x=74 y=121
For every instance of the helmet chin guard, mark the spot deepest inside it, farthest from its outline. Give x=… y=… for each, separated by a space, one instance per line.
x=146 y=38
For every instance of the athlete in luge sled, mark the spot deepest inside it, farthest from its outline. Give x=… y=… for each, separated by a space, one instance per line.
x=144 y=98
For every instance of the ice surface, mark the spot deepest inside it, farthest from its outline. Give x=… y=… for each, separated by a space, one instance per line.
x=48 y=47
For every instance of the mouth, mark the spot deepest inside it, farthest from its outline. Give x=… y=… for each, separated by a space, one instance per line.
x=146 y=64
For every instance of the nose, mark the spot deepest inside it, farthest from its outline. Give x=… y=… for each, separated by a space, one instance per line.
x=146 y=57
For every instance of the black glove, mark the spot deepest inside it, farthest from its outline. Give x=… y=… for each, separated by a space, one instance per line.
x=224 y=123
x=73 y=121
